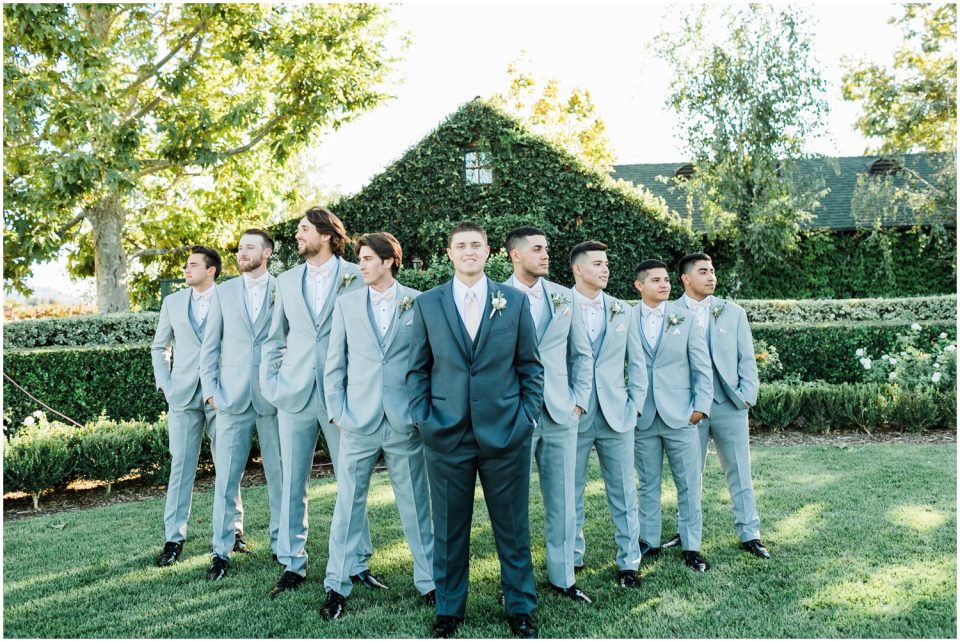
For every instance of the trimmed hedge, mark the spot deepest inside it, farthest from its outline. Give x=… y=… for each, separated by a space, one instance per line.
x=931 y=308
x=95 y=329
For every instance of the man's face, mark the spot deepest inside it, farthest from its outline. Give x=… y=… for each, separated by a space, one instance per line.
x=309 y=240
x=593 y=269
x=468 y=252
x=374 y=269
x=195 y=270
x=700 y=280
x=531 y=257
x=250 y=253
x=655 y=285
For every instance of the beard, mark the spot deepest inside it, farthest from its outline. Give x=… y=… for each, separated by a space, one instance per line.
x=307 y=250
x=251 y=266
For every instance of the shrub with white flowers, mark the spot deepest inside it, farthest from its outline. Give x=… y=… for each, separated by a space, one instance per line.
x=909 y=366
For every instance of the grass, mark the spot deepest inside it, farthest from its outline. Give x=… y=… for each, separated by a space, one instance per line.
x=863 y=539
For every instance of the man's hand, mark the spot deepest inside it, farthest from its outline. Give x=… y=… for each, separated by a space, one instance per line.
x=211 y=403
x=696 y=417
x=578 y=411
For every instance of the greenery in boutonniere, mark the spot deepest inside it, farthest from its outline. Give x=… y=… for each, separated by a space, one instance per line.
x=498 y=303
x=717 y=311
x=615 y=309
x=346 y=280
x=406 y=303
x=273 y=295
x=559 y=300
x=674 y=319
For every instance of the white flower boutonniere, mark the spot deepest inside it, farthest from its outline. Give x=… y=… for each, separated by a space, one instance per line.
x=674 y=319
x=559 y=300
x=717 y=311
x=405 y=304
x=615 y=309
x=273 y=295
x=346 y=280
x=498 y=303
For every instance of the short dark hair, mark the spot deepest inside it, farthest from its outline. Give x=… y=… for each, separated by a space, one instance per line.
x=327 y=222
x=210 y=256
x=465 y=226
x=587 y=246
x=385 y=245
x=518 y=234
x=645 y=266
x=685 y=266
x=255 y=231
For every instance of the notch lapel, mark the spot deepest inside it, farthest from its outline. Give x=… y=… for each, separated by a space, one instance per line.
x=242 y=293
x=547 y=312
x=397 y=314
x=486 y=319
x=457 y=329
x=266 y=309
x=332 y=296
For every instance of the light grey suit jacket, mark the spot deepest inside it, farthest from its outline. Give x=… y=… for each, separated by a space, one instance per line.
x=295 y=351
x=619 y=400
x=681 y=377
x=731 y=350
x=175 y=327
x=230 y=354
x=565 y=353
x=364 y=379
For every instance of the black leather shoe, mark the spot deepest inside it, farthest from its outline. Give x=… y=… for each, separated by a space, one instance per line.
x=522 y=626
x=171 y=553
x=218 y=568
x=648 y=551
x=756 y=547
x=240 y=546
x=430 y=598
x=275 y=559
x=445 y=626
x=694 y=561
x=334 y=606
x=287 y=582
x=369 y=580
x=573 y=592
x=673 y=541
x=628 y=579
x=577 y=569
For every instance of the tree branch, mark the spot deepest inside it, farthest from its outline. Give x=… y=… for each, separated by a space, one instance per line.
x=144 y=76
x=69 y=224
x=158 y=251
x=266 y=129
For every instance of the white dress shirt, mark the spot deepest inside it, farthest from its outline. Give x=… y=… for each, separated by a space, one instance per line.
x=701 y=310
x=255 y=290
x=592 y=312
x=460 y=290
x=653 y=321
x=200 y=304
x=536 y=294
x=383 y=304
x=320 y=283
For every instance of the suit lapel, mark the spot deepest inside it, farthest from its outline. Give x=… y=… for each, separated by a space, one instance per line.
x=304 y=296
x=457 y=329
x=187 y=302
x=266 y=308
x=547 y=317
x=367 y=310
x=397 y=313
x=332 y=296
x=242 y=293
x=486 y=318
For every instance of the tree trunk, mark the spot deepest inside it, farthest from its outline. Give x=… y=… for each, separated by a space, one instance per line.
x=107 y=217
x=36 y=500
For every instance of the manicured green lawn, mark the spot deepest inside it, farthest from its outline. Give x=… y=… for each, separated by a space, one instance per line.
x=863 y=539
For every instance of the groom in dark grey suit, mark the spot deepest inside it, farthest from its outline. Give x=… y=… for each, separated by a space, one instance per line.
x=476 y=388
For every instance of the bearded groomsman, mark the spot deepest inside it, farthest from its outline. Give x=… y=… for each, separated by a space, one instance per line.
x=564 y=348
x=237 y=325
x=678 y=398
x=291 y=378
x=183 y=316
x=735 y=388
x=613 y=407
x=476 y=388
x=366 y=398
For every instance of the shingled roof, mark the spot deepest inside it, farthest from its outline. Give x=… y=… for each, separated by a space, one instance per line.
x=838 y=173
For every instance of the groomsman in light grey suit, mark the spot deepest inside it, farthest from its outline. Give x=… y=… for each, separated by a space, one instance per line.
x=735 y=388
x=567 y=383
x=367 y=399
x=237 y=325
x=613 y=407
x=678 y=397
x=179 y=334
x=291 y=378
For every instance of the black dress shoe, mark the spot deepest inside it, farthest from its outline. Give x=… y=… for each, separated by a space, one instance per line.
x=218 y=568
x=240 y=546
x=430 y=598
x=369 y=580
x=628 y=579
x=276 y=559
x=573 y=592
x=334 y=606
x=756 y=547
x=445 y=626
x=171 y=553
x=287 y=582
x=648 y=551
x=522 y=626
x=694 y=561
x=577 y=569
x=673 y=541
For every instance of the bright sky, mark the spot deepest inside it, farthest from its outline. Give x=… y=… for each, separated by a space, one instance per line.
x=459 y=51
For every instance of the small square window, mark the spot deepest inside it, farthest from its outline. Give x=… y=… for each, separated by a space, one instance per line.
x=478 y=169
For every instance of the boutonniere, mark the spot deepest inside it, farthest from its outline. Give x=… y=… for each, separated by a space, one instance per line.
x=405 y=304
x=559 y=300
x=717 y=311
x=498 y=303
x=674 y=319
x=346 y=280
x=273 y=295
x=615 y=309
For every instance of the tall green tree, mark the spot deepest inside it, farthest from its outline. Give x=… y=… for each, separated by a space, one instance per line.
x=137 y=129
x=749 y=96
